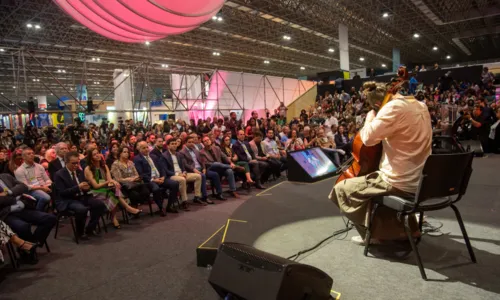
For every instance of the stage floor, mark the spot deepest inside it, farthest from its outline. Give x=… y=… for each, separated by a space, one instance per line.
x=290 y=217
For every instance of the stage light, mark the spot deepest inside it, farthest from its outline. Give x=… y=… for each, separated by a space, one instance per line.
x=216 y=54
x=302 y=68
x=164 y=66
x=29 y=25
x=266 y=62
x=448 y=57
x=14 y=87
x=1 y=93
x=214 y=18
x=416 y=35
x=147 y=43
x=362 y=59
x=287 y=37
x=219 y=19
x=93 y=58
x=58 y=71
x=384 y=65
x=37 y=80
x=98 y=59
x=435 y=48
x=38 y=26
x=97 y=95
x=385 y=15
x=64 y=71
x=2 y=50
x=331 y=50
x=136 y=21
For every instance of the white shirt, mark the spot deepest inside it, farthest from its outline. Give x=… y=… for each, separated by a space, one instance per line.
x=177 y=168
x=404 y=128
x=63 y=164
x=329 y=122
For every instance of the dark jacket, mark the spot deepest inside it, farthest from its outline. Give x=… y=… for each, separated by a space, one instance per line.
x=168 y=164
x=17 y=188
x=144 y=169
x=240 y=152
x=155 y=153
x=54 y=166
x=338 y=140
x=66 y=189
x=189 y=164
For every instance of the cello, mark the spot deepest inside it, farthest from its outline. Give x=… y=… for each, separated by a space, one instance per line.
x=366 y=159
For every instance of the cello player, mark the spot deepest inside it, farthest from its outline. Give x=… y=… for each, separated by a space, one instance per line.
x=403 y=126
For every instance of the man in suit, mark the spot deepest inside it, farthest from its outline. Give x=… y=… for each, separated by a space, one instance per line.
x=151 y=172
x=218 y=162
x=244 y=152
x=58 y=163
x=72 y=195
x=158 y=149
x=194 y=164
x=173 y=164
x=24 y=218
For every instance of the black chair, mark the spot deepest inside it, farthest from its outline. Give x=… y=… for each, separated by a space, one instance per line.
x=443 y=176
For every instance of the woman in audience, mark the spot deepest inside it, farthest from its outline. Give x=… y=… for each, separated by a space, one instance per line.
x=112 y=154
x=249 y=130
x=50 y=155
x=16 y=160
x=294 y=142
x=180 y=144
x=40 y=153
x=104 y=187
x=242 y=167
x=124 y=171
x=27 y=249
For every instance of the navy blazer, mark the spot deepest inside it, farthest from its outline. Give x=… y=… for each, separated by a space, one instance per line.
x=54 y=166
x=144 y=169
x=168 y=163
x=66 y=189
x=155 y=153
x=240 y=152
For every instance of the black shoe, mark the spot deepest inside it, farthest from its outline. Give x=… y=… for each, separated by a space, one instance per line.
x=220 y=197
x=198 y=201
x=207 y=201
x=259 y=186
x=29 y=256
x=172 y=210
x=185 y=206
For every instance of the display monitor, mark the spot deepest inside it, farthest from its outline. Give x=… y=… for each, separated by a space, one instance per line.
x=314 y=162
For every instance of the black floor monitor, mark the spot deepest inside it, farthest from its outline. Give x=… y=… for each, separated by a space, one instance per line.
x=309 y=165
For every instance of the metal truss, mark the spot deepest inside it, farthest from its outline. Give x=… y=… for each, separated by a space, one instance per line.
x=251 y=32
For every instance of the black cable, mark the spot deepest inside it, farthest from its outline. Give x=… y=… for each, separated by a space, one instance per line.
x=345 y=230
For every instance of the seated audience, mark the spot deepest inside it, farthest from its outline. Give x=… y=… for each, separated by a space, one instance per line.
x=328 y=146
x=112 y=154
x=124 y=171
x=35 y=178
x=173 y=163
x=275 y=158
x=342 y=140
x=194 y=164
x=151 y=172
x=219 y=163
x=59 y=162
x=242 y=168
x=104 y=188
x=157 y=149
x=294 y=142
x=73 y=195
x=15 y=162
x=25 y=217
x=244 y=153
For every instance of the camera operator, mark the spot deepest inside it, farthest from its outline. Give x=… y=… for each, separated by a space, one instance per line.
x=480 y=127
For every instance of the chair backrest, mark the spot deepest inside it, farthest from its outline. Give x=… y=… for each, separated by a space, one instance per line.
x=445 y=175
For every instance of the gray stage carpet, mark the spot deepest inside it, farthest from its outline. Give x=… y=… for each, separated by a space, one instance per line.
x=155 y=258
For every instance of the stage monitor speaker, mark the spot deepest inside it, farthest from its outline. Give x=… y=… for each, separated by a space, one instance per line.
x=309 y=165
x=474 y=146
x=243 y=272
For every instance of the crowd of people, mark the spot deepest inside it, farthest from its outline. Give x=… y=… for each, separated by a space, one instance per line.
x=97 y=169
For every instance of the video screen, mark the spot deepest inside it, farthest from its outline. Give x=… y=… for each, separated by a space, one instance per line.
x=314 y=162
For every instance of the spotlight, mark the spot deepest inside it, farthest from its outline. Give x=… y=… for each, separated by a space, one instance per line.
x=219 y=19
x=416 y=35
x=448 y=57
x=214 y=18
x=37 y=80
x=362 y=59
x=435 y=48
x=331 y=50
x=164 y=66
x=37 y=26
x=14 y=87
x=34 y=79
x=287 y=37
x=58 y=71
x=98 y=59
x=266 y=62
x=64 y=71
x=2 y=50
x=385 y=15
x=216 y=54
x=302 y=68
x=147 y=43
x=29 y=25
x=384 y=65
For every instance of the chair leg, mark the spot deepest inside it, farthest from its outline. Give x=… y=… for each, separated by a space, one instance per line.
x=369 y=229
x=104 y=224
x=150 y=208
x=47 y=246
x=420 y=224
x=414 y=247
x=13 y=257
x=71 y=219
x=464 y=233
x=57 y=226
